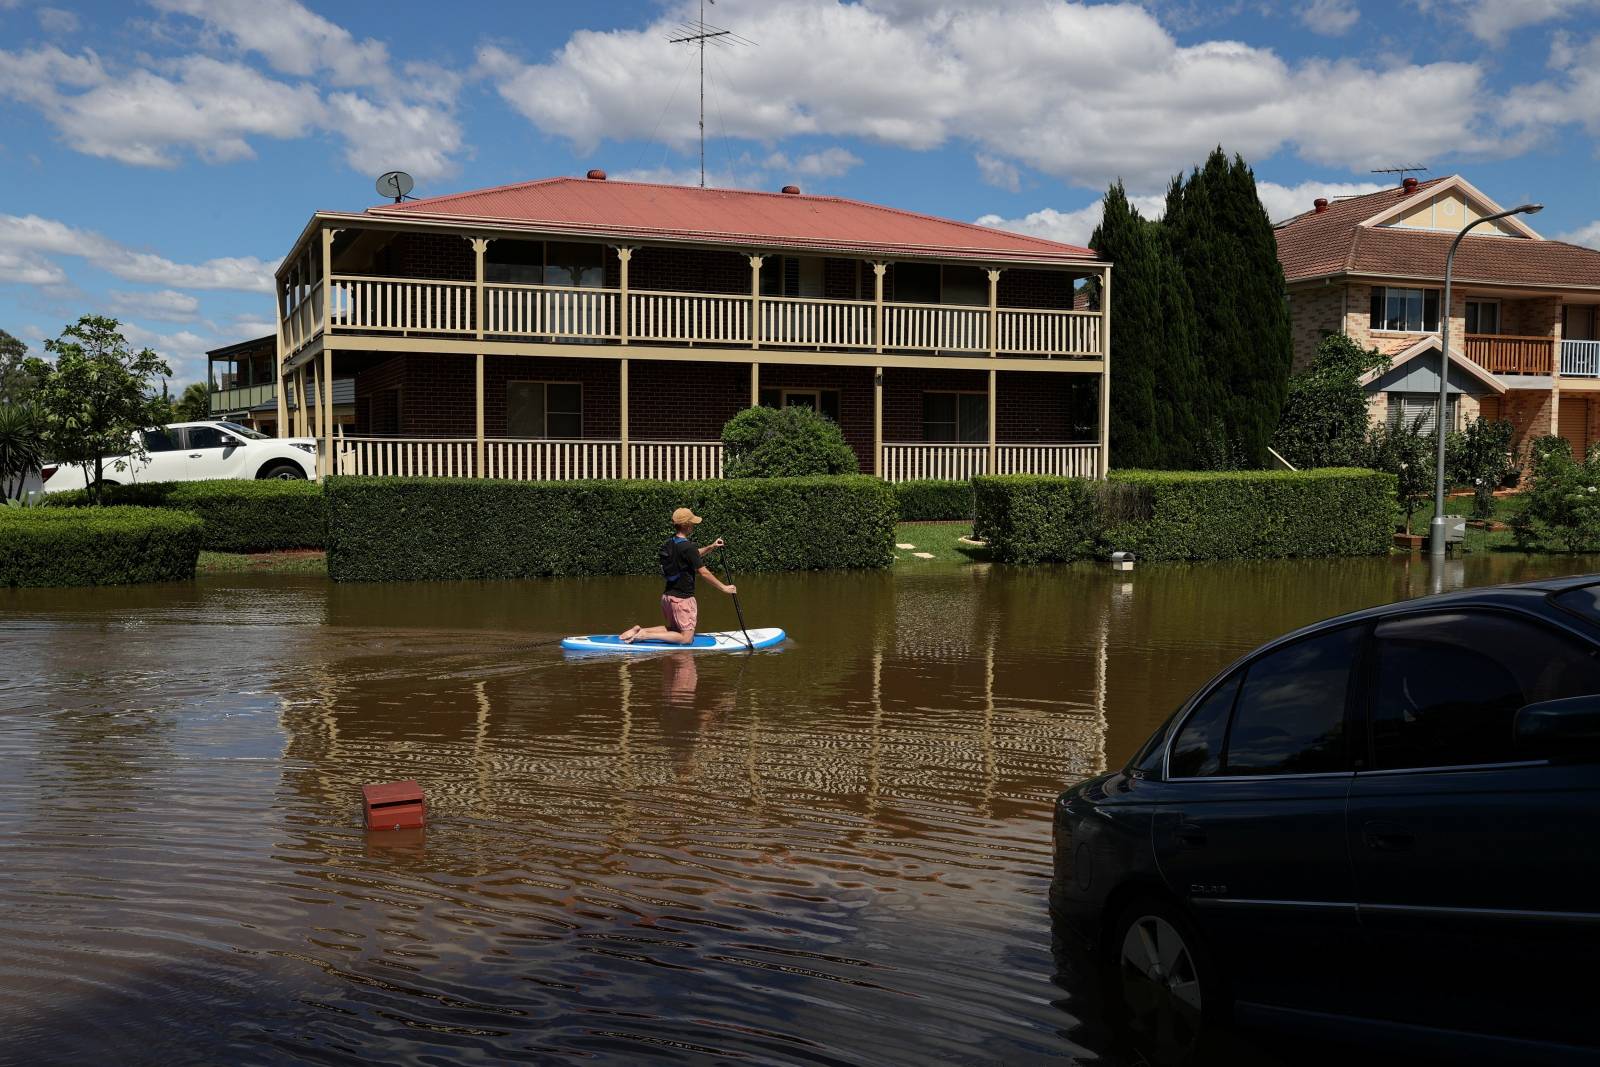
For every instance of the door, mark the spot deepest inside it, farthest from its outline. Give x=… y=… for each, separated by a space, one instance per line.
x=164 y=458
x=213 y=453
x=1476 y=863
x=1574 y=422
x=1251 y=829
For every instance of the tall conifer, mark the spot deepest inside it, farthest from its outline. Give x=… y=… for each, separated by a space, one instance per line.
x=1125 y=240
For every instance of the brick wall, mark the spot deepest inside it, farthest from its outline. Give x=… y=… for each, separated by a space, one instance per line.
x=1314 y=313
x=1021 y=288
x=1532 y=413
x=428 y=255
x=672 y=401
x=687 y=270
x=855 y=398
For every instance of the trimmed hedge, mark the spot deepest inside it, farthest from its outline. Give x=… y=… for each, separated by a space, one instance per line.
x=97 y=546
x=1188 y=515
x=419 y=529
x=932 y=500
x=239 y=515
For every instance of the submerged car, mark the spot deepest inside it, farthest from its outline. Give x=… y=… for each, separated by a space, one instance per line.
x=192 y=451
x=1382 y=828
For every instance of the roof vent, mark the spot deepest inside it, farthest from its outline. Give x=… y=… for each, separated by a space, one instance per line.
x=1410 y=185
x=1321 y=204
x=596 y=175
x=792 y=190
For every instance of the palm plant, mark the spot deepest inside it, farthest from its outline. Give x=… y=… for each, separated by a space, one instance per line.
x=21 y=446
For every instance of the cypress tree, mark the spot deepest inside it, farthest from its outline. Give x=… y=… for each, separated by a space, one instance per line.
x=1124 y=239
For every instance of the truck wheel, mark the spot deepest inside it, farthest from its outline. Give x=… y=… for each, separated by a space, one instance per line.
x=284 y=471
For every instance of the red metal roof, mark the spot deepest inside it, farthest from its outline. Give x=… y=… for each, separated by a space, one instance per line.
x=737 y=217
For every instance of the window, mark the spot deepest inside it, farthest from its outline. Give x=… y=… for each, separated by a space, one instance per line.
x=244 y=431
x=521 y=262
x=544 y=409
x=1483 y=316
x=955 y=417
x=1197 y=751
x=1291 y=709
x=162 y=440
x=1448 y=686
x=916 y=283
x=209 y=437
x=825 y=401
x=1578 y=322
x=1406 y=408
x=568 y=263
x=1409 y=310
x=791 y=276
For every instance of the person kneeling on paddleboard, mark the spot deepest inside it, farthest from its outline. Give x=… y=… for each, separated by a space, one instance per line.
x=681 y=562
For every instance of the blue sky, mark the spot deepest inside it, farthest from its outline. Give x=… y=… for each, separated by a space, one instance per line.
x=158 y=156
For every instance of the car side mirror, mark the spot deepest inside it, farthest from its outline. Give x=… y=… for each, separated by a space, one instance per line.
x=1556 y=725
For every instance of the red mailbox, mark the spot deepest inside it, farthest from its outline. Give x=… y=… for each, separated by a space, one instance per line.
x=394 y=805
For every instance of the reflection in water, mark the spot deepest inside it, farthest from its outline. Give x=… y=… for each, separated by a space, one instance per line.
x=836 y=851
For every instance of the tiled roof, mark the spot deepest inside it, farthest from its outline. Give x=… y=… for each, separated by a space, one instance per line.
x=746 y=219
x=1315 y=245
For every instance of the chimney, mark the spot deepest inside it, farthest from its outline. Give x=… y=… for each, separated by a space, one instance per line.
x=1409 y=185
x=1320 y=204
x=792 y=190
x=596 y=175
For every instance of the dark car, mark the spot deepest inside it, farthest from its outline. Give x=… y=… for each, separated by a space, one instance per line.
x=1384 y=828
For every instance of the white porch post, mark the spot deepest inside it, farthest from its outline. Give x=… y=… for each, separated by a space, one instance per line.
x=327 y=415
x=877 y=421
x=993 y=451
x=755 y=384
x=623 y=256
x=279 y=386
x=1105 y=371
x=755 y=303
x=878 y=271
x=994 y=313
x=479 y=247
x=327 y=349
x=300 y=402
x=622 y=389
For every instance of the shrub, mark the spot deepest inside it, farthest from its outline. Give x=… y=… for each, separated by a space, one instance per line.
x=1324 y=420
x=1032 y=519
x=239 y=515
x=415 y=529
x=1479 y=457
x=1563 y=504
x=96 y=546
x=1546 y=447
x=1187 y=515
x=791 y=442
x=931 y=500
x=1408 y=455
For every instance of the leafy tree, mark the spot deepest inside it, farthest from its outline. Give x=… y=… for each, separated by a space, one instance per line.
x=97 y=396
x=1479 y=456
x=788 y=442
x=21 y=445
x=19 y=375
x=1324 y=421
x=1223 y=243
x=1407 y=452
x=1563 y=504
x=194 y=405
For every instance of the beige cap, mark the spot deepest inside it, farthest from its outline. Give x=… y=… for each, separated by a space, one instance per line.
x=685 y=517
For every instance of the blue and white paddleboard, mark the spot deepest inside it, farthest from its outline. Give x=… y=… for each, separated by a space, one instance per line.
x=722 y=641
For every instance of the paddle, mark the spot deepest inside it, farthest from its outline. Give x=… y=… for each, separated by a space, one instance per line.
x=749 y=645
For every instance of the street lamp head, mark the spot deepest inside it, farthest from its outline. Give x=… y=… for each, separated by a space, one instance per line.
x=1527 y=209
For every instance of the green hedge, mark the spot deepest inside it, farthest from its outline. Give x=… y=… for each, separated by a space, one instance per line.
x=1188 y=515
x=96 y=546
x=933 y=500
x=239 y=515
x=417 y=529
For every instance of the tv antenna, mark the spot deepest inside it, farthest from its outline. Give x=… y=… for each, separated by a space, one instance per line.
x=395 y=183
x=698 y=33
x=1402 y=170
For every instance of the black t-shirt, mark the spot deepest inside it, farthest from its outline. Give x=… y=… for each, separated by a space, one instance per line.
x=680 y=562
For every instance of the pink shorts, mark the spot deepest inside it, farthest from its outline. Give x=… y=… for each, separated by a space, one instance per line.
x=681 y=613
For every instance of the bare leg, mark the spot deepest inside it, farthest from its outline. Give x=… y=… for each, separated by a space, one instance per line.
x=661 y=633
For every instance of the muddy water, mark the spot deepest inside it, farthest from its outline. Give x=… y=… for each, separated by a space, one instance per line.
x=836 y=852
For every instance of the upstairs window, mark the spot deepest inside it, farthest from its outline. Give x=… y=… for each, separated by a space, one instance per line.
x=1405 y=310
x=1483 y=316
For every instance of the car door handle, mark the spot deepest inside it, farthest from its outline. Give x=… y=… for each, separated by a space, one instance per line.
x=195 y=455
x=1388 y=837
x=1191 y=835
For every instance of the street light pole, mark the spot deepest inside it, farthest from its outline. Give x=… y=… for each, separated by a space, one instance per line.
x=1436 y=530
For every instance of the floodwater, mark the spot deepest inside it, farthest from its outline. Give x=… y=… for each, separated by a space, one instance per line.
x=835 y=852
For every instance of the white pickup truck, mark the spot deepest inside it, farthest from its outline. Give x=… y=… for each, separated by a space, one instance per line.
x=191 y=451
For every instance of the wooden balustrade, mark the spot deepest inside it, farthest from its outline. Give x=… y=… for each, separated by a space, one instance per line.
x=688 y=317
x=1047 y=333
x=1508 y=354
x=400 y=305
x=905 y=462
x=551 y=311
x=675 y=461
x=800 y=322
x=405 y=457
x=1070 y=461
x=936 y=327
x=551 y=461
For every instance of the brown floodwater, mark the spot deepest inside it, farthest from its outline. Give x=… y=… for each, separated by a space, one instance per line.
x=834 y=852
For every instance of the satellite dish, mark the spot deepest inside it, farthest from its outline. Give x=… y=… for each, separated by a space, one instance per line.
x=395 y=183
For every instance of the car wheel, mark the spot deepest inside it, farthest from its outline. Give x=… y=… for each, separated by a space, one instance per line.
x=283 y=471
x=1165 y=995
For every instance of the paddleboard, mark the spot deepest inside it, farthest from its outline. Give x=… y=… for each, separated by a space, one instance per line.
x=717 y=641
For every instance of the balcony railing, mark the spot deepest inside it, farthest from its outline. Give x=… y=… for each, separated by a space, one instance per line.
x=445 y=308
x=542 y=460
x=242 y=398
x=1580 y=359
x=1502 y=354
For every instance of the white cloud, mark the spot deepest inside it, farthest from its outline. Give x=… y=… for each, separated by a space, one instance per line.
x=828 y=163
x=292 y=39
x=1573 y=96
x=1082 y=92
x=33 y=235
x=1492 y=20
x=715 y=179
x=1584 y=235
x=998 y=173
x=167 y=305
x=24 y=268
x=1330 y=17
x=1286 y=201
x=55 y=20
x=184 y=350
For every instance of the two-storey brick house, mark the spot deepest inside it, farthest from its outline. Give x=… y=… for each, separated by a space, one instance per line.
x=579 y=327
x=1524 y=310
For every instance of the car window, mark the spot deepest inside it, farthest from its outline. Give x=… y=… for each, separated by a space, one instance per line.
x=161 y=440
x=1197 y=750
x=246 y=432
x=209 y=437
x=1289 y=718
x=1447 y=686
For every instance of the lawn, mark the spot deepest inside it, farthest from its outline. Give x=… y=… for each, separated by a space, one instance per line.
x=939 y=543
x=1505 y=509
x=298 y=561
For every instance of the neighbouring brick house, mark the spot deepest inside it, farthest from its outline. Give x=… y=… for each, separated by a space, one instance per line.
x=1524 y=315
x=579 y=327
